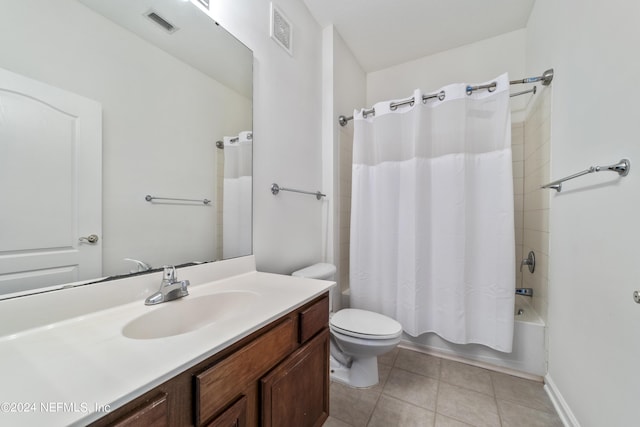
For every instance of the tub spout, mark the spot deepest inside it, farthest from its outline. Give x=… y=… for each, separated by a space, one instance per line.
x=528 y=292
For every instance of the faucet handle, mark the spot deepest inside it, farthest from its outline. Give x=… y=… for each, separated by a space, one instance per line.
x=184 y=285
x=530 y=261
x=169 y=273
x=141 y=265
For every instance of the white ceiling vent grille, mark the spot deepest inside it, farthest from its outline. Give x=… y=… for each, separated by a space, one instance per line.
x=281 y=30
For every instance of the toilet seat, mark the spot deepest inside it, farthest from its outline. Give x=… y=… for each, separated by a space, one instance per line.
x=364 y=324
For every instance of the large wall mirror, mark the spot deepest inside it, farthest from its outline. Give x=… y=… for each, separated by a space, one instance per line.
x=125 y=140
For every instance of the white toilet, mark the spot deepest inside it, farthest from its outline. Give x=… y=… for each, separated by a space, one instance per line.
x=358 y=337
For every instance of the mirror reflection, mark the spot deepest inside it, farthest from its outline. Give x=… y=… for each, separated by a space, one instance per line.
x=125 y=140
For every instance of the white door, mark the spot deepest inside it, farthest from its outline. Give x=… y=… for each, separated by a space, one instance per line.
x=50 y=185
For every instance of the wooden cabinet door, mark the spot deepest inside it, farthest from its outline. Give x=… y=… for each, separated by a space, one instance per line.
x=235 y=416
x=296 y=393
x=219 y=385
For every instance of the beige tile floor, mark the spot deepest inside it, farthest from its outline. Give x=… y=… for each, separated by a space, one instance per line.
x=416 y=389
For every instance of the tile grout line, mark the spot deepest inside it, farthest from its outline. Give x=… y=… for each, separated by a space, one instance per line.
x=495 y=398
x=494 y=381
x=393 y=364
x=435 y=410
x=376 y=404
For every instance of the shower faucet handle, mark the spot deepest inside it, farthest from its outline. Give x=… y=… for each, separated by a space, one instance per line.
x=530 y=261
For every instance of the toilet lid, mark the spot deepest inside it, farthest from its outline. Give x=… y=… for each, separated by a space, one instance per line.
x=363 y=323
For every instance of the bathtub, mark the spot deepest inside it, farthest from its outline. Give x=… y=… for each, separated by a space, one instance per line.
x=527 y=358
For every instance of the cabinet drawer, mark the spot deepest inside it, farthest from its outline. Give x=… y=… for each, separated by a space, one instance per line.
x=313 y=319
x=218 y=385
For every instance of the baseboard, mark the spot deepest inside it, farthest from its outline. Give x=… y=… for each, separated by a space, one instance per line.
x=564 y=412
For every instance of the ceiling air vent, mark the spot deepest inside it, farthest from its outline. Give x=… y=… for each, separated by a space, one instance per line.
x=281 y=30
x=205 y=3
x=166 y=25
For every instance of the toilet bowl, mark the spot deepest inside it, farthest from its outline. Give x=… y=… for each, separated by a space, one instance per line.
x=358 y=337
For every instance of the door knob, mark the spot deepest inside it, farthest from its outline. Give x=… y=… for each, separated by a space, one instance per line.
x=92 y=238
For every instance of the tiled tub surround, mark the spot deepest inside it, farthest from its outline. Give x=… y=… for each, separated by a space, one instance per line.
x=416 y=389
x=535 y=225
x=518 y=166
x=67 y=347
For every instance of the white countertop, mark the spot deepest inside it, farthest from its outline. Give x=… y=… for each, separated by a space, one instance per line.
x=73 y=370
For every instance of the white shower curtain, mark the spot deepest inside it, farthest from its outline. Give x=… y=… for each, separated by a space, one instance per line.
x=432 y=224
x=236 y=199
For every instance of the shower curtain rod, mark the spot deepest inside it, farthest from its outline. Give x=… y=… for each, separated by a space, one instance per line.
x=545 y=78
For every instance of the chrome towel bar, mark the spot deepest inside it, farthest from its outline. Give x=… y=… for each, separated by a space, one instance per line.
x=275 y=189
x=622 y=167
x=149 y=198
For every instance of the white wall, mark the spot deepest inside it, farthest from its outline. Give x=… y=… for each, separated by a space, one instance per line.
x=348 y=91
x=593 y=267
x=161 y=118
x=473 y=63
x=287 y=131
x=330 y=145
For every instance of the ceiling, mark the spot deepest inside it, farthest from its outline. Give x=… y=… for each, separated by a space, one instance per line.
x=383 y=33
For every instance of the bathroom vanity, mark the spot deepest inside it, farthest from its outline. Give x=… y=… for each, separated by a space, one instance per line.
x=277 y=376
x=262 y=359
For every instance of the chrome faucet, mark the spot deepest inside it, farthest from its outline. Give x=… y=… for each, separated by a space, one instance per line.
x=170 y=288
x=141 y=265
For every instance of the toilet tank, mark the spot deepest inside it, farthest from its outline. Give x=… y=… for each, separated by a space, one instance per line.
x=322 y=271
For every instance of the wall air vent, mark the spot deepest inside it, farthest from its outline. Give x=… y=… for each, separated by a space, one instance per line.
x=281 y=30
x=166 y=25
x=205 y=3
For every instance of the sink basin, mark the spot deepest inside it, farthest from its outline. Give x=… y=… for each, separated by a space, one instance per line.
x=189 y=313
